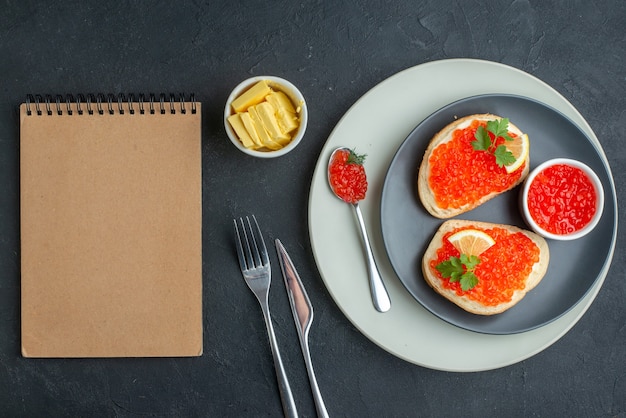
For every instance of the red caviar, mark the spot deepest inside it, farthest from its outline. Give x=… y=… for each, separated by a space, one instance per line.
x=562 y=199
x=347 y=178
x=502 y=270
x=460 y=175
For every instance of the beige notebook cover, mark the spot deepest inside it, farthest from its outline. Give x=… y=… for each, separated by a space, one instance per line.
x=111 y=221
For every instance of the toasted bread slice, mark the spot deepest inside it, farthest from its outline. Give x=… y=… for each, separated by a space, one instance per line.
x=430 y=275
x=424 y=189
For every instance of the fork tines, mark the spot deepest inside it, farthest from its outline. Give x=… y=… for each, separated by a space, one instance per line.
x=251 y=248
x=255 y=268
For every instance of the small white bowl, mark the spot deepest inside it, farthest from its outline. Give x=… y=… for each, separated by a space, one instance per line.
x=599 y=200
x=275 y=83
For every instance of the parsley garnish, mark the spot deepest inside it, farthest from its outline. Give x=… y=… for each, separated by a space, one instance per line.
x=460 y=269
x=499 y=128
x=354 y=158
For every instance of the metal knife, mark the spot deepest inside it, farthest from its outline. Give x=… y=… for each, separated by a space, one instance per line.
x=302 y=311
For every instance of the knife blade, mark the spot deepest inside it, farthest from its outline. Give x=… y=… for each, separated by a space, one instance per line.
x=302 y=311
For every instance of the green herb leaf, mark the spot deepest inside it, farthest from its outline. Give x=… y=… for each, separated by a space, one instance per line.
x=460 y=269
x=483 y=140
x=468 y=281
x=499 y=128
x=503 y=156
x=354 y=158
x=451 y=268
x=469 y=261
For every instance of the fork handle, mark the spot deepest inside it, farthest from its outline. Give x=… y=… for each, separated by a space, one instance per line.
x=286 y=397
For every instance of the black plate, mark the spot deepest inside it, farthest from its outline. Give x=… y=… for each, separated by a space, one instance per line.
x=574 y=265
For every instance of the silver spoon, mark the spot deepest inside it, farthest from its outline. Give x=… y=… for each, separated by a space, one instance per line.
x=380 y=297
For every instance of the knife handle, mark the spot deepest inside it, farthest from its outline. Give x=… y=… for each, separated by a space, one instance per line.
x=317 y=395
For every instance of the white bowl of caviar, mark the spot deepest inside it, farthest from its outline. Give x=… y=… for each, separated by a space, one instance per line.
x=562 y=199
x=265 y=116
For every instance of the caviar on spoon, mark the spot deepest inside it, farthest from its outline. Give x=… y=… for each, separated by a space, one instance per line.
x=347 y=179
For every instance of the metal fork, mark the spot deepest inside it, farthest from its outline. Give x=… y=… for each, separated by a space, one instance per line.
x=255 y=267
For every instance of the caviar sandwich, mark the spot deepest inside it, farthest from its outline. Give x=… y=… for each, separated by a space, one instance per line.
x=470 y=161
x=484 y=268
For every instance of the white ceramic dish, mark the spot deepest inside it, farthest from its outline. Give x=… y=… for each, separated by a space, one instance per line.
x=275 y=83
x=376 y=125
x=599 y=203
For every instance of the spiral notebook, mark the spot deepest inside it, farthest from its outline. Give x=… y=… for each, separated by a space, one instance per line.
x=111 y=208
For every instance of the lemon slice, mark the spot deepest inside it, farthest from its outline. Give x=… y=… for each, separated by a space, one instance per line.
x=471 y=241
x=519 y=147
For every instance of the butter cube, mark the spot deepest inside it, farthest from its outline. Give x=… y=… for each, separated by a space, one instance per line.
x=267 y=113
x=266 y=140
x=285 y=112
x=250 y=127
x=280 y=101
x=241 y=132
x=254 y=95
x=273 y=145
x=287 y=121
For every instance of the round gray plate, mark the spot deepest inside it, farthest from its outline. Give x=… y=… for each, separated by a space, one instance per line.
x=407 y=228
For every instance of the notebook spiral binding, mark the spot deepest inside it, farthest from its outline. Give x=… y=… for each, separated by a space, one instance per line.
x=110 y=103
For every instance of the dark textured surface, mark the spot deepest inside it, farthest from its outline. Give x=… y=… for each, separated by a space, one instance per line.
x=334 y=52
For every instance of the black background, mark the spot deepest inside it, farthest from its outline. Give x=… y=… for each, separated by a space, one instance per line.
x=334 y=52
